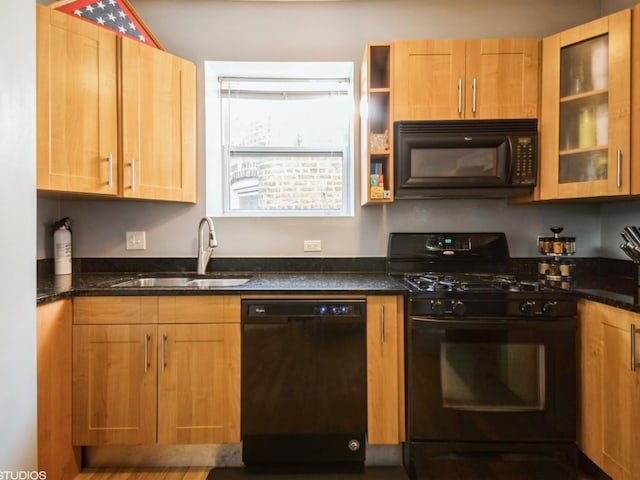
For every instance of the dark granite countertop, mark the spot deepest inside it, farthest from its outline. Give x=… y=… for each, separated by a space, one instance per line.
x=52 y=287
x=613 y=282
x=615 y=299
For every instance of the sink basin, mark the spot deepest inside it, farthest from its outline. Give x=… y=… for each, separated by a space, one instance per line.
x=151 y=282
x=217 y=282
x=183 y=282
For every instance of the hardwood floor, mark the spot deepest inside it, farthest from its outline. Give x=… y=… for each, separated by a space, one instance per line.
x=187 y=473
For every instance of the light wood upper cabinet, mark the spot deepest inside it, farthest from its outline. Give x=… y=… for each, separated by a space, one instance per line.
x=428 y=79
x=385 y=370
x=586 y=110
x=376 y=128
x=152 y=370
x=466 y=79
x=610 y=389
x=505 y=77
x=114 y=117
x=158 y=124
x=77 y=142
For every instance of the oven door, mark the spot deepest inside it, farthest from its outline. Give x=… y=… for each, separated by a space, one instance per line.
x=490 y=380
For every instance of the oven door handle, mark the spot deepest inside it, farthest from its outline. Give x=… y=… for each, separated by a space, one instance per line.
x=458 y=321
x=492 y=323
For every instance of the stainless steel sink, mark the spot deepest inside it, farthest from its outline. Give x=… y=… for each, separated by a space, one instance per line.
x=183 y=282
x=151 y=282
x=217 y=282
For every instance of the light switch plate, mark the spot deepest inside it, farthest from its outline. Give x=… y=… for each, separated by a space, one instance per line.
x=312 y=245
x=136 y=241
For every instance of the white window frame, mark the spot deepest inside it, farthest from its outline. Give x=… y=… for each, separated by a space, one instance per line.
x=216 y=204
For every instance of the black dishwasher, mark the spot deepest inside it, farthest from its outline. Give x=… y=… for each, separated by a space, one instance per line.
x=304 y=389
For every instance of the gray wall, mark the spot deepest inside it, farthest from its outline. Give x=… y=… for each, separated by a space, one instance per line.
x=17 y=242
x=610 y=6
x=280 y=31
x=614 y=217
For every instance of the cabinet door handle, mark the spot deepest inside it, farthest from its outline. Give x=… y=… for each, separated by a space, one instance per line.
x=459 y=95
x=382 y=325
x=133 y=175
x=474 y=88
x=110 y=181
x=632 y=334
x=163 y=359
x=147 y=339
x=619 y=168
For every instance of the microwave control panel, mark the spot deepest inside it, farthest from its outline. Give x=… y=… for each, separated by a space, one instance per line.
x=525 y=160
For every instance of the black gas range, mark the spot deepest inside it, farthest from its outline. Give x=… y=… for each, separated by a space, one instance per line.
x=466 y=275
x=490 y=362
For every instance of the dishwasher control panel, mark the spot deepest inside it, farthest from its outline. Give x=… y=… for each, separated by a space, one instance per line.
x=337 y=309
x=256 y=309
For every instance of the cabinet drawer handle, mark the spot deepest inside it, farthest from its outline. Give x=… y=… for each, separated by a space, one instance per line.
x=459 y=95
x=474 y=88
x=147 y=339
x=110 y=181
x=633 y=347
x=163 y=360
x=619 y=168
x=133 y=175
x=382 y=324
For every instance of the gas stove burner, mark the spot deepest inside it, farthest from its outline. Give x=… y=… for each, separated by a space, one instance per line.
x=468 y=282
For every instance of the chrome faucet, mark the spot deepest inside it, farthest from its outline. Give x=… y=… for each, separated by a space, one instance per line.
x=204 y=253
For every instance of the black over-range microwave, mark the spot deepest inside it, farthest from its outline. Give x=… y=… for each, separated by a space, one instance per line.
x=465 y=158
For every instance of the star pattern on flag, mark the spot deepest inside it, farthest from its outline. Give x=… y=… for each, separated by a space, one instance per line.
x=109 y=14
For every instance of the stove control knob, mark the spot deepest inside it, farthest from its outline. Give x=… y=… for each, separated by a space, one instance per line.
x=437 y=307
x=527 y=307
x=459 y=308
x=547 y=307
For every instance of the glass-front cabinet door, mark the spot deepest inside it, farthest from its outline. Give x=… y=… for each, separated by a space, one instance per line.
x=586 y=106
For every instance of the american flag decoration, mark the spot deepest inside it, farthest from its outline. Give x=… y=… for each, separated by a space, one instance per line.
x=115 y=15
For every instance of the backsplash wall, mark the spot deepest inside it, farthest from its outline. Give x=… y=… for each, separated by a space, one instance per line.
x=613 y=218
x=321 y=31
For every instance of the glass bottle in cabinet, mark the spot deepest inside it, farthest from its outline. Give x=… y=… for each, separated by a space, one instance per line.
x=584 y=125
x=585 y=118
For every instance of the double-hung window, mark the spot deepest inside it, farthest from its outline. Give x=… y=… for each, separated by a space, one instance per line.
x=279 y=138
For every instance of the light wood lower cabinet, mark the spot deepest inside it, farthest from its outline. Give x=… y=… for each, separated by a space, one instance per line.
x=609 y=431
x=114 y=384
x=199 y=384
x=147 y=381
x=385 y=369
x=166 y=370
x=56 y=456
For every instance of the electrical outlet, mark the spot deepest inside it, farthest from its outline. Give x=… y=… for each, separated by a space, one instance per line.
x=312 y=245
x=136 y=241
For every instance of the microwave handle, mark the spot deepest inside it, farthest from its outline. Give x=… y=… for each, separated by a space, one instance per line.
x=459 y=96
